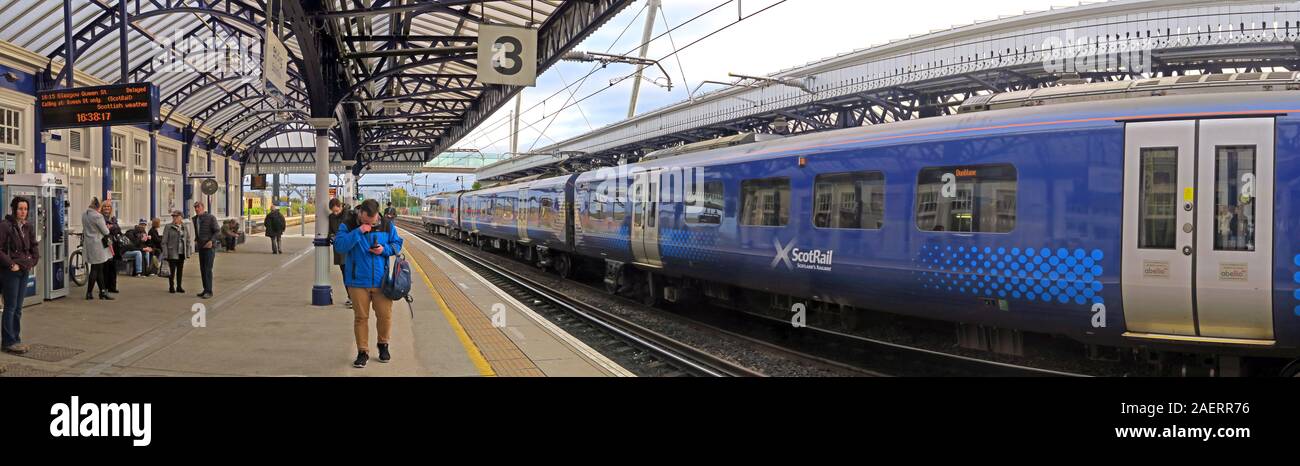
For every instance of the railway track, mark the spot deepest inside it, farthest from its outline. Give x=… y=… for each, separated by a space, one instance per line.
x=858 y=353
x=639 y=349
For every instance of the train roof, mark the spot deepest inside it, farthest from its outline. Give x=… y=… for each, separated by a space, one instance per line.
x=1046 y=117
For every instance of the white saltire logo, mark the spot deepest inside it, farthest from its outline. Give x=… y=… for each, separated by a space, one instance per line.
x=782 y=253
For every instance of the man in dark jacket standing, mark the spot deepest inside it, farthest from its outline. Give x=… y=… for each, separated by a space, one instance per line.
x=338 y=215
x=19 y=252
x=274 y=228
x=205 y=237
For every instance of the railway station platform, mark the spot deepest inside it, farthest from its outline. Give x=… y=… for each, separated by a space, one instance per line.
x=260 y=323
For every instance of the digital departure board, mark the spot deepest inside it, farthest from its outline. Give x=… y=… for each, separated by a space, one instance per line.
x=120 y=104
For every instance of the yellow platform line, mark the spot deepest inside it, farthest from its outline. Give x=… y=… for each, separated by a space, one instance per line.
x=471 y=349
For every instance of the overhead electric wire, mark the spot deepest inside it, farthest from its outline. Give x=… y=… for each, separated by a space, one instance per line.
x=593 y=71
x=673 y=53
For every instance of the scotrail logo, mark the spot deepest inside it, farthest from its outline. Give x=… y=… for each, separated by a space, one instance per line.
x=102 y=420
x=793 y=257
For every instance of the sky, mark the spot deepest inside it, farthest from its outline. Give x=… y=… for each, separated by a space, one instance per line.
x=776 y=35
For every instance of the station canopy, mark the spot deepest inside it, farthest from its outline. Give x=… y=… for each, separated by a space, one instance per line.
x=398 y=76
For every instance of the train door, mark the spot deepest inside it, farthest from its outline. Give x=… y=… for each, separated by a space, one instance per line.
x=645 y=218
x=1198 y=229
x=521 y=214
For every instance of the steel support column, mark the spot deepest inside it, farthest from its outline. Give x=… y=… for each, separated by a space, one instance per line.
x=321 y=294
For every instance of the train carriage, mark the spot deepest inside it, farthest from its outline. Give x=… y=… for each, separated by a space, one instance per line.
x=1158 y=219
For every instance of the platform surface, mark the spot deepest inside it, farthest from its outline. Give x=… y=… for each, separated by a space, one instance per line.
x=260 y=323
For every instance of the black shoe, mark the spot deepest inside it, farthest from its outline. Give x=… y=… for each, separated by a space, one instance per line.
x=90 y=296
x=180 y=290
x=200 y=295
x=106 y=296
x=362 y=357
x=383 y=352
x=171 y=290
x=206 y=295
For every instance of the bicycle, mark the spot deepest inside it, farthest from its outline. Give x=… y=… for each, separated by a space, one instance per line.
x=78 y=269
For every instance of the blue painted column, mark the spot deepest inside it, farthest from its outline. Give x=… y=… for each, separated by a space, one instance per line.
x=38 y=157
x=226 y=188
x=153 y=174
x=207 y=198
x=187 y=191
x=107 y=164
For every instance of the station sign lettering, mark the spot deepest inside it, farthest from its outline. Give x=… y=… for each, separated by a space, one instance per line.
x=115 y=105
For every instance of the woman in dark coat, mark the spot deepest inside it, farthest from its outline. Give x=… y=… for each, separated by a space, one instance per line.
x=174 y=248
x=117 y=241
x=19 y=253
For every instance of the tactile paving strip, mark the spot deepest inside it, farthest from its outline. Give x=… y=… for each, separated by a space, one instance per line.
x=500 y=352
x=19 y=370
x=48 y=353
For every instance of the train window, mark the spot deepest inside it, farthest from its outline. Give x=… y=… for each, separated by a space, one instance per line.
x=849 y=200
x=1234 y=196
x=596 y=207
x=765 y=202
x=618 y=208
x=706 y=208
x=967 y=199
x=1159 y=198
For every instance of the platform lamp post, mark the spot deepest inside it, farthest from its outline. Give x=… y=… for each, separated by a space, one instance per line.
x=321 y=294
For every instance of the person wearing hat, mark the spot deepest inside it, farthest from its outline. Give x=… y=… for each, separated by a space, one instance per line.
x=138 y=247
x=175 y=249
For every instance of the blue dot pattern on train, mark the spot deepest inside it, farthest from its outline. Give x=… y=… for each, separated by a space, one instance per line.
x=687 y=245
x=1059 y=275
x=1297 y=281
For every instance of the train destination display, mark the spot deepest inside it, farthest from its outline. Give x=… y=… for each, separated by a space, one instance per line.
x=120 y=104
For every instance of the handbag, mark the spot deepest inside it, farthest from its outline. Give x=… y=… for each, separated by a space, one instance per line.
x=164 y=269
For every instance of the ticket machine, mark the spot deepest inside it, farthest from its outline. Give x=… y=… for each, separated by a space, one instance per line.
x=46 y=194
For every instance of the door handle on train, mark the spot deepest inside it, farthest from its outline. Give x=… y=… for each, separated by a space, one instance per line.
x=1187 y=250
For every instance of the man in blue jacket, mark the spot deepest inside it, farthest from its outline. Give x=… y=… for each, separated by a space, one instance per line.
x=367 y=241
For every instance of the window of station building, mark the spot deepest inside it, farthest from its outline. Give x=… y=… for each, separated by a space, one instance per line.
x=967 y=199
x=118 y=141
x=11 y=127
x=707 y=206
x=765 y=202
x=74 y=141
x=849 y=200
x=141 y=148
x=119 y=182
x=1234 y=198
x=9 y=162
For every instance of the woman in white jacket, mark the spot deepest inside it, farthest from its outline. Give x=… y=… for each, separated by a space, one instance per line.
x=94 y=240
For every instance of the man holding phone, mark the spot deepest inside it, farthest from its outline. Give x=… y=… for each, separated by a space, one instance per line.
x=367 y=241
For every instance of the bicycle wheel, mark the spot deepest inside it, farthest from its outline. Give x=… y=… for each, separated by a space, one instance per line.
x=77 y=268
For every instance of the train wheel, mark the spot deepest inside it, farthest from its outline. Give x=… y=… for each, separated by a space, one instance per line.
x=1291 y=370
x=563 y=266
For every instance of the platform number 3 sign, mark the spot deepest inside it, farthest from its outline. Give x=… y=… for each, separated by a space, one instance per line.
x=507 y=55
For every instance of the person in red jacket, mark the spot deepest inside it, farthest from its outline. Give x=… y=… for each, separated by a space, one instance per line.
x=19 y=253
